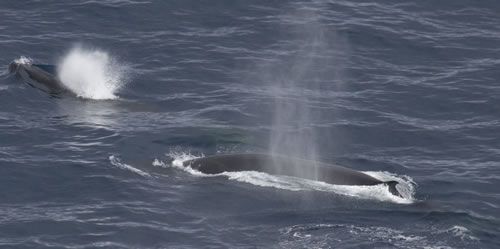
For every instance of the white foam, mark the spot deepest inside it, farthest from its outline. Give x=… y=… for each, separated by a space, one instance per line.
x=178 y=159
x=91 y=73
x=461 y=232
x=115 y=161
x=376 y=192
x=406 y=186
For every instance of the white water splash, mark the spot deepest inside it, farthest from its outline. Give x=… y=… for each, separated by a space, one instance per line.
x=23 y=60
x=178 y=159
x=377 y=192
x=406 y=186
x=91 y=73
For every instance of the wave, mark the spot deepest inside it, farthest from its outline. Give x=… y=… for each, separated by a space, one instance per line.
x=380 y=192
x=314 y=235
x=461 y=232
x=92 y=73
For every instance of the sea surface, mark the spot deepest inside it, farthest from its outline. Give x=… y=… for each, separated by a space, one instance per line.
x=402 y=90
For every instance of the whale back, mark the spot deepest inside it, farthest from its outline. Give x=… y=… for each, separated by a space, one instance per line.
x=281 y=165
x=39 y=76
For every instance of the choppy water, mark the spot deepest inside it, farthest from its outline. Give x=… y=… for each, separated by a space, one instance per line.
x=401 y=89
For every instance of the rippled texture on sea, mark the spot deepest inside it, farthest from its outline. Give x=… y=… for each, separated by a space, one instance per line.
x=403 y=88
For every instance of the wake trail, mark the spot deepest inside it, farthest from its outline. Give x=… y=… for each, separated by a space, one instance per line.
x=115 y=161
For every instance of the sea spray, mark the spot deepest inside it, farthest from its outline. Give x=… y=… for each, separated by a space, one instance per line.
x=91 y=73
x=298 y=82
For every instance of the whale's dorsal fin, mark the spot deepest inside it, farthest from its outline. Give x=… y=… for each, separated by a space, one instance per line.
x=392 y=188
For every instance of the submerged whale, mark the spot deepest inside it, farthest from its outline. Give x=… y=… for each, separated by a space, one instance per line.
x=281 y=165
x=39 y=76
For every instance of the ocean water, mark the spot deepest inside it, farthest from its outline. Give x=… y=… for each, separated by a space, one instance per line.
x=405 y=90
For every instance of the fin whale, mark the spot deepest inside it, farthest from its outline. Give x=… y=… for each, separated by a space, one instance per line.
x=39 y=76
x=281 y=165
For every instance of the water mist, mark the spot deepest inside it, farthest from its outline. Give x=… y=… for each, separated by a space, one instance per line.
x=297 y=84
x=91 y=73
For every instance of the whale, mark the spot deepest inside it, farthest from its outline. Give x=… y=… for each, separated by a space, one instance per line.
x=288 y=166
x=40 y=76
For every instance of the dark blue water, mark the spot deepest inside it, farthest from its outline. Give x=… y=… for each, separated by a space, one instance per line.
x=408 y=89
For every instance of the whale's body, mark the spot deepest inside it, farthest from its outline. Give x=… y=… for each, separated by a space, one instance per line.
x=281 y=165
x=39 y=76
